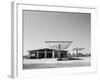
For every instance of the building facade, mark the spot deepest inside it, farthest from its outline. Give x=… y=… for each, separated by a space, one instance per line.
x=47 y=53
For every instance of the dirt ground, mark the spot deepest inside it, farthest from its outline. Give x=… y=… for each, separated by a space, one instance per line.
x=32 y=64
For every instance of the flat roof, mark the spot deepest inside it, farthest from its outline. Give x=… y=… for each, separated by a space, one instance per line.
x=45 y=49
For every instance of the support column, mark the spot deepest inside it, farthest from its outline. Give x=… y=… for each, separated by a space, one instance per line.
x=37 y=54
x=45 y=53
x=59 y=52
x=29 y=54
x=77 y=52
x=53 y=55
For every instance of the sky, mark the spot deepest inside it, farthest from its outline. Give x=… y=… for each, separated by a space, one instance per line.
x=41 y=26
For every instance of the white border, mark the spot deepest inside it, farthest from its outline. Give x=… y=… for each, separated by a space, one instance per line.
x=17 y=70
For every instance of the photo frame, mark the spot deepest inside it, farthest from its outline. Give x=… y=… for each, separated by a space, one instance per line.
x=22 y=15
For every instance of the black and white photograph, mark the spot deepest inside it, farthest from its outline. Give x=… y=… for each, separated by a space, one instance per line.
x=53 y=39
